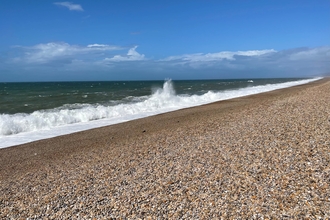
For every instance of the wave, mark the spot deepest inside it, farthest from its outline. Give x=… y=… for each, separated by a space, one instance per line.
x=21 y=128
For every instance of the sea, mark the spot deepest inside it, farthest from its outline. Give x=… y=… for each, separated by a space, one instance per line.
x=33 y=111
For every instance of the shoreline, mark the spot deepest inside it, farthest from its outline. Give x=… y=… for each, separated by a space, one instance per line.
x=120 y=127
x=32 y=136
x=189 y=156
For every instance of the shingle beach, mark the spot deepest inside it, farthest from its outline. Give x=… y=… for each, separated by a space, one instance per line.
x=265 y=156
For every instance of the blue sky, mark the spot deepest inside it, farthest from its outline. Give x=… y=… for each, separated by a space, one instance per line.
x=45 y=40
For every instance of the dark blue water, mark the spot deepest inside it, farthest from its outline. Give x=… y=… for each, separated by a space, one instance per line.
x=30 y=97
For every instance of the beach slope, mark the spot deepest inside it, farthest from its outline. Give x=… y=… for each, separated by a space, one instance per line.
x=260 y=156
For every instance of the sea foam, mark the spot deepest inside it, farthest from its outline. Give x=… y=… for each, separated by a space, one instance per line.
x=22 y=128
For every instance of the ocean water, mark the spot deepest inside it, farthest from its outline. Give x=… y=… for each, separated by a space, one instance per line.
x=34 y=111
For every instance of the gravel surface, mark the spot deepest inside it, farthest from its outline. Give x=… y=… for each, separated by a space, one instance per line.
x=258 y=157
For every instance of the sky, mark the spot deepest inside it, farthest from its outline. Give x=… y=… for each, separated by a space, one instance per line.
x=81 y=40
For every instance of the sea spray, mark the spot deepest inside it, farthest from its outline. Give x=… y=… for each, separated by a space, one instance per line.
x=71 y=114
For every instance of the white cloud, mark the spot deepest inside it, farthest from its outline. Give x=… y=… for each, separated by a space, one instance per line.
x=228 y=55
x=97 y=45
x=44 y=53
x=132 y=55
x=70 y=6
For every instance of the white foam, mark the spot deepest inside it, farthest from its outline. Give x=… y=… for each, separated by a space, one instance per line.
x=23 y=128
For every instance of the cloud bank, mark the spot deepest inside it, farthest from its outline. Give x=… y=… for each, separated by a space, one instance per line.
x=113 y=62
x=50 y=52
x=70 y=6
x=228 y=55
